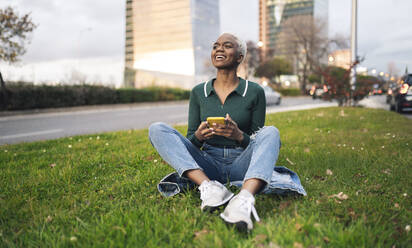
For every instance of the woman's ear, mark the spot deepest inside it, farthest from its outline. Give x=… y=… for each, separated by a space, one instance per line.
x=240 y=58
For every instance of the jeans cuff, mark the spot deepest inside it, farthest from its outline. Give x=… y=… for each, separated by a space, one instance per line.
x=181 y=171
x=257 y=176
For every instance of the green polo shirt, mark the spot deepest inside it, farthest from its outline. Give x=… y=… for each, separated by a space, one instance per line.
x=246 y=105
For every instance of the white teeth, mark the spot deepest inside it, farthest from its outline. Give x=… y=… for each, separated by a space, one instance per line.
x=220 y=57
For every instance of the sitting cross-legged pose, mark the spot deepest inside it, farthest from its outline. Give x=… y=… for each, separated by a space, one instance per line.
x=240 y=149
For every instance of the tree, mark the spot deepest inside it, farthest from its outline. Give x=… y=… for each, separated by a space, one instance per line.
x=337 y=81
x=339 y=88
x=392 y=69
x=304 y=40
x=252 y=57
x=273 y=68
x=365 y=84
x=14 y=31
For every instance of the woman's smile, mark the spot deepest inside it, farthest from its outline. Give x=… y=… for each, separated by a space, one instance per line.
x=224 y=53
x=220 y=57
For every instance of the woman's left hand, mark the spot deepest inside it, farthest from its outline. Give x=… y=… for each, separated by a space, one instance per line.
x=230 y=130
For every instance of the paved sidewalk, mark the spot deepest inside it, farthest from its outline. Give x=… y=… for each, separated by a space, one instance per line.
x=278 y=109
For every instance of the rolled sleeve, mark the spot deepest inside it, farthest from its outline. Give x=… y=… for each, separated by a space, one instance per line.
x=194 y=140
x=246 y=140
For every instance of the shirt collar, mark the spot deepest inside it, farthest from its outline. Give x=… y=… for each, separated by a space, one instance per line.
x=241 y=89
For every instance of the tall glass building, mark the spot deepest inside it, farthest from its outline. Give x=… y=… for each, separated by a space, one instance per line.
x=272 y=13
x=168 y=42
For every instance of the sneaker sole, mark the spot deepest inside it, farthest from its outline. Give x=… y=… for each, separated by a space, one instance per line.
x=239 y=225
x=210 y=209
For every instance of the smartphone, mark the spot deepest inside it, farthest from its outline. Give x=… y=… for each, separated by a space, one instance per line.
x=217 y=120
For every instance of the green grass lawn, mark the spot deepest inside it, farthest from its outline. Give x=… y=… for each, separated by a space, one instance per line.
x=100 y=190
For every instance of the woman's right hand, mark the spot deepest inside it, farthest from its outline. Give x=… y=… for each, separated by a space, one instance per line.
x=203 y=132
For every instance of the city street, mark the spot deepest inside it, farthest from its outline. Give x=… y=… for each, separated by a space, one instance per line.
x=92 y=120
x=379 y=101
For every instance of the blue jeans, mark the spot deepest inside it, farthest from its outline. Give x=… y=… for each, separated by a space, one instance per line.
x=219 y=163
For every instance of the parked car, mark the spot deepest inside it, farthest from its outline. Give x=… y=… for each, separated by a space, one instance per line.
x=272 y=97
x=401 y=99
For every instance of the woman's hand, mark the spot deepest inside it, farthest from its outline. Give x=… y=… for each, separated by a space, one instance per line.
x=203 y=132
x=230 y=130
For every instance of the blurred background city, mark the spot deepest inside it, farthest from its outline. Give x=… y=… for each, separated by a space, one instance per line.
x=94 y=41
x=302 y=45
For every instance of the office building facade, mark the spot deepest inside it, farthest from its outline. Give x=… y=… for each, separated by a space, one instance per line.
x=340 y=58
x=168 y=42
x=273 y=13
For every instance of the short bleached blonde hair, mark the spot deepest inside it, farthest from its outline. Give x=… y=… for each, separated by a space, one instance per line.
x=241 y=45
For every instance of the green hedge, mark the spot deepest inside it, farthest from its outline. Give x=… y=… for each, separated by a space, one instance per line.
x=289 y=91
x=28 y=96
x=128 y=95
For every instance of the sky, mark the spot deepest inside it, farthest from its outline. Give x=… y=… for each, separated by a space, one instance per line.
x=84 y=39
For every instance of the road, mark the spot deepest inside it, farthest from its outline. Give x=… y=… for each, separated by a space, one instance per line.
x=51 y=125
x=380 y=102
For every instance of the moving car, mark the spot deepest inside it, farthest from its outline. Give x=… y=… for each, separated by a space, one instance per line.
x=272 y=97
x=389 y=93
x=317 y=91
x=402 y=98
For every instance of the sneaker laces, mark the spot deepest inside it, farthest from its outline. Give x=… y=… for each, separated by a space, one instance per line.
x=247 y=205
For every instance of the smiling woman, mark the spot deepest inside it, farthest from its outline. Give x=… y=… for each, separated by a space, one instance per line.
x=233 y=48
x=241 y=149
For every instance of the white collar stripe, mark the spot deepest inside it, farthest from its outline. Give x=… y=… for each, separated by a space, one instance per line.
x=244 y=93
x=204 y=89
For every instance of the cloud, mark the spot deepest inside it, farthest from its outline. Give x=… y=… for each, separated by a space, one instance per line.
x=383 y=30
x=240 y=17
x=74 y=29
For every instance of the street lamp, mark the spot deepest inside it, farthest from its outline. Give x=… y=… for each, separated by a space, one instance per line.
x=354 y=56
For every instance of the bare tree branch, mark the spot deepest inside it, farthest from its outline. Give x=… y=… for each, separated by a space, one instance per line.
x=14 y=30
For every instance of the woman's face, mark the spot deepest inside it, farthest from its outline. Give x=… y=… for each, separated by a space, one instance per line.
x=225 y=53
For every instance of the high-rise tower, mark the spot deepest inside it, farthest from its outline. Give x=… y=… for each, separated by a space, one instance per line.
x=273 y=13
x=168 y=42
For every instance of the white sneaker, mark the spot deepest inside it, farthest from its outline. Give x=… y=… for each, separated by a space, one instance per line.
x=213 y=195
x=238 y=211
